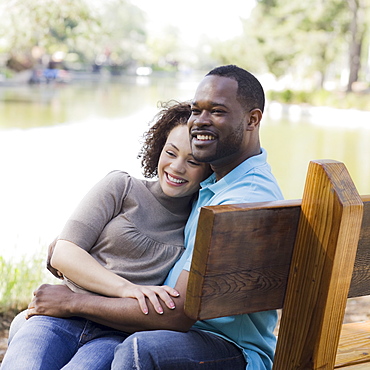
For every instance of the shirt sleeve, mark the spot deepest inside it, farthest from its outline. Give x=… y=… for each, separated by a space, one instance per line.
x=102 y=203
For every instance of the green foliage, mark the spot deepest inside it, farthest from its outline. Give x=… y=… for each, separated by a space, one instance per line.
x=308 y=41
x=302 y=38
x=50 y=23
x=322 y=97
x=18 y=281
x=69 y=26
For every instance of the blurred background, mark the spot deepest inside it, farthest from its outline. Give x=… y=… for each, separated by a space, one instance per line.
x=80 y=81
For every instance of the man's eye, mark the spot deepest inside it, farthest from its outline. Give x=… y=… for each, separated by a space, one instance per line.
x=195 y=111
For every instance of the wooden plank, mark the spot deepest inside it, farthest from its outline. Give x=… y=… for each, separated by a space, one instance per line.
x=321 y=269
x=193 y=302
x=360 y=284
x=242 y=252
x=354 y=345
x=223 y=290
x=217 y=284
x=364 y=366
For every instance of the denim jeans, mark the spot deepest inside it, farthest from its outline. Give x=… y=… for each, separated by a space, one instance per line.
x=169 y=350
x=49 y=343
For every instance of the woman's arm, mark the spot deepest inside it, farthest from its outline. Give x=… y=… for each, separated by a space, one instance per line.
x=118 y=313
x=80 y=267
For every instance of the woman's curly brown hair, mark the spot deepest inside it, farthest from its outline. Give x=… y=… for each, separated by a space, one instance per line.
x=172 y=114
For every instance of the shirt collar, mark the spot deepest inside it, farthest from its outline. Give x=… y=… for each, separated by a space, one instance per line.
x=252 y=162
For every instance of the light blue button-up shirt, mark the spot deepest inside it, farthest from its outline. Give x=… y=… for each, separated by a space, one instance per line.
x=251 y=181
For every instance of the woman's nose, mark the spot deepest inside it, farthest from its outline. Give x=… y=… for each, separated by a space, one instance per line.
x=178 y=166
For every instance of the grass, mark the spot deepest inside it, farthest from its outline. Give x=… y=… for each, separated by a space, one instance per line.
x=18 y=281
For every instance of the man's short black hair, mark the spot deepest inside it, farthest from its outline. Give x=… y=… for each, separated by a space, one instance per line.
x=250 y=92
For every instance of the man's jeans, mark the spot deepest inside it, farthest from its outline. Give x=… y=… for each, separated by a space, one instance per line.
x=49 y=343
x=170 y=350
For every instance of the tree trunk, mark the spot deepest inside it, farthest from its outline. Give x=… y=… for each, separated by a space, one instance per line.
x=355 y=47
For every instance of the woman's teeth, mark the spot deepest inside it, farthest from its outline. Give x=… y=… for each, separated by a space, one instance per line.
x=173 y=179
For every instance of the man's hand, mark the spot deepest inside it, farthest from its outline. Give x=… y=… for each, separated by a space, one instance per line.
x=51 y=300
x=118 y=313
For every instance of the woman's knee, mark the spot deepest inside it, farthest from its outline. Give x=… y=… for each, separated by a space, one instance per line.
x=16 y=324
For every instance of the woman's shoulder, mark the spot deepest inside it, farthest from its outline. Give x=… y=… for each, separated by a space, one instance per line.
x=122 y=178
x=116 y=181
x=119 y=176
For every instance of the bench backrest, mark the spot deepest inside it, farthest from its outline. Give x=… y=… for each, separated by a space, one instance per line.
x=299 y=255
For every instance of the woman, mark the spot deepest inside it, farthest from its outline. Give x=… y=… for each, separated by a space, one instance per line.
x=121 y=241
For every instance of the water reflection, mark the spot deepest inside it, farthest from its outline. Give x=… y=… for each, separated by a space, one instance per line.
x=317 y=134
x=45 y=105
x=56 y=143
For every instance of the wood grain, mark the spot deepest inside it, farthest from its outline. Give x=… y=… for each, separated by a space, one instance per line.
x=242 y=285
x=321 y=269
x=354 y=345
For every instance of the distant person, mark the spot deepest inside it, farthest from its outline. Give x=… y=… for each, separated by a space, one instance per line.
x=121 y=241
x=224 y=131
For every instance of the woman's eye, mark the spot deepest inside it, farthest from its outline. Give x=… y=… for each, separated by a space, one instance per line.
x=194 y=163
x=171 y=154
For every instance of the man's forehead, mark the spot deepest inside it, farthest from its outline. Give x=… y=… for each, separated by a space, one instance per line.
x=216 y=90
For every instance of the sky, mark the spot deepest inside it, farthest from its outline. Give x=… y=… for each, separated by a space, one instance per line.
x=196 y=18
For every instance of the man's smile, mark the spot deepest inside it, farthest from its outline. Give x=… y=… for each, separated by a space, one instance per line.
x=205 y=137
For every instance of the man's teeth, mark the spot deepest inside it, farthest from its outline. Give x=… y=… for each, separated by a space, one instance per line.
x=173 y=179
x=205 y=137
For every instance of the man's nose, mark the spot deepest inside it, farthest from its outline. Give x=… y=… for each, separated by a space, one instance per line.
x=202 y=119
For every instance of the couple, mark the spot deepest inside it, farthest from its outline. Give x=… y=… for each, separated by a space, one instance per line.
x=224 y=131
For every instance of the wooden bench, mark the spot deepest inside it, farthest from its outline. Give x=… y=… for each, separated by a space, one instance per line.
x=305 y=257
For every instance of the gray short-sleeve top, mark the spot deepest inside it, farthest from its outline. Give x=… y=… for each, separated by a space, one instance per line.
x=131 y=227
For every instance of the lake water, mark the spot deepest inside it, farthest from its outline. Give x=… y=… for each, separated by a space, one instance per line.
x=58 y=141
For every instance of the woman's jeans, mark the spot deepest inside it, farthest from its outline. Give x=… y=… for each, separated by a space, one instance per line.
x=49 y=343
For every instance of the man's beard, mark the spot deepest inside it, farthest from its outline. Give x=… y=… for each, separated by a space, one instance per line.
x=228 y=146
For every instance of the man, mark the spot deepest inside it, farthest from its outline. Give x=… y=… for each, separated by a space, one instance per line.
x=224 y=130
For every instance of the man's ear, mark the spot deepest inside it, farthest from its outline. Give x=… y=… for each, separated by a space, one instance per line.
x=255 y=116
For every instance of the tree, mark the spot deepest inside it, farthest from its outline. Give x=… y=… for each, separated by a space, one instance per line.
x=68 y=26
x=357 y=29
x=308 y=39
x=124 y=38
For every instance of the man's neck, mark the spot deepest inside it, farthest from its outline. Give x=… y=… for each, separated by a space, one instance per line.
x=221 y=169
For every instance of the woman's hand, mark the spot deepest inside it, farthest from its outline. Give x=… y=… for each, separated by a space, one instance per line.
x=153 y=293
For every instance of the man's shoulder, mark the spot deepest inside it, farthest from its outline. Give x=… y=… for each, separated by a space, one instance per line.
x=256 y=185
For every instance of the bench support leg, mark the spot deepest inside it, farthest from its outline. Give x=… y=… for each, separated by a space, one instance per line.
x=323 y=259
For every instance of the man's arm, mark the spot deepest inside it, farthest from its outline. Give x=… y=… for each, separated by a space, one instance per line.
x=119 y=313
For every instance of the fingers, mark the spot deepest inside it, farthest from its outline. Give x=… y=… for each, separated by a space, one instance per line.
x=29 y=313
x=163 y=295
x=154 y=294
x=171 y=291
x=30 y=309
x=142 y=304
x=162 y=292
